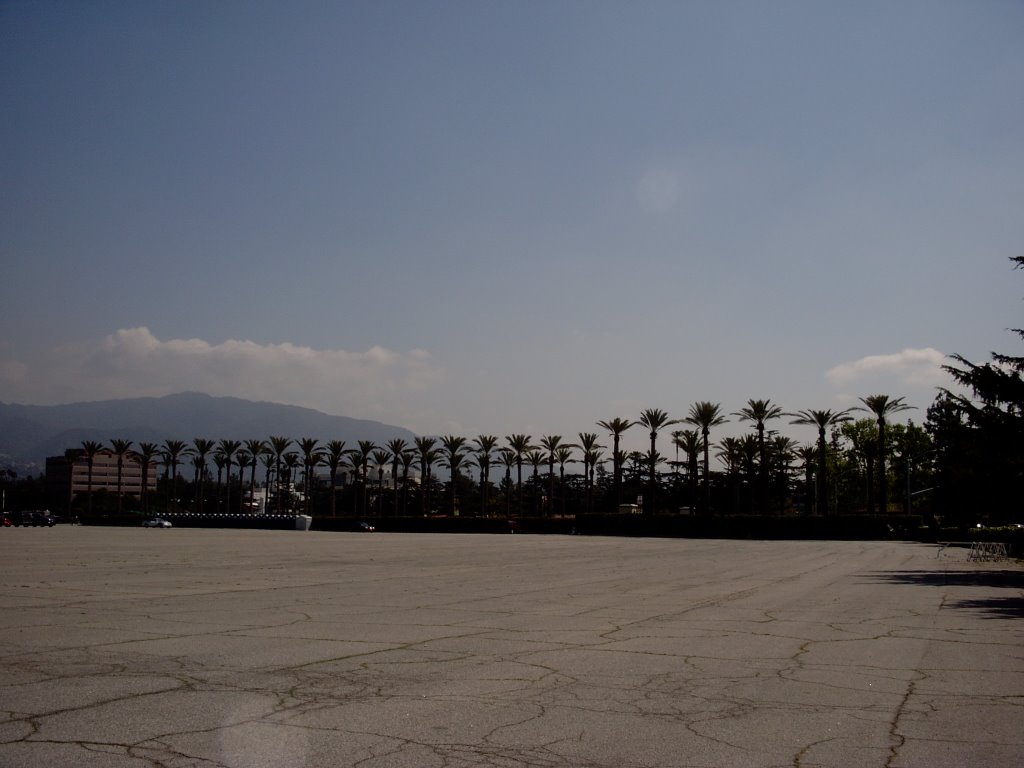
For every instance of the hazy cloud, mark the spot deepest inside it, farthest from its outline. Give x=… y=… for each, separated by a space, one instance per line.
x=12 y=371
x=913 y=367
x=134 y=363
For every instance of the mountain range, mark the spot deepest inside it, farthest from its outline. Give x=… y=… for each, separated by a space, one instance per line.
x=30 y=433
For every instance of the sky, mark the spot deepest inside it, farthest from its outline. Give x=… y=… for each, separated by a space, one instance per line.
x=499 y=217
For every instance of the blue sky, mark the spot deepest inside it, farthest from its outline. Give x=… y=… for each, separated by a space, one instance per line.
x=484 y=217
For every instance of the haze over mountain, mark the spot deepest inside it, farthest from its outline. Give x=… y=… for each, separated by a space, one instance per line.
x=30 y=433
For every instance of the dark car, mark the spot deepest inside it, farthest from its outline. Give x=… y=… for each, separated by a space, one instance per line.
x=363 y=527
x=44 y=519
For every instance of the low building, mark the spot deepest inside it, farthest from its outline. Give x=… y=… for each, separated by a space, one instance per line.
x=68 y=476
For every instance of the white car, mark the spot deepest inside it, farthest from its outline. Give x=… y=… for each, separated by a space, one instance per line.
x=156 y=522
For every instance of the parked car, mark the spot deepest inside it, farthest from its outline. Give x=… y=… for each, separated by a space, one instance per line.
x=33 y=518
x=364 y=527
x=7 y=522
x=156 y=522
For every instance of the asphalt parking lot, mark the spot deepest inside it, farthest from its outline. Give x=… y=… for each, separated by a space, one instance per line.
x=151 y=647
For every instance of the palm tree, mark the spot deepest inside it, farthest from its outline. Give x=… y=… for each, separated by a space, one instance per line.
x=881 y=406
x=310 y=459
x=536 y=458
x=333 y=458
x=748 y=457
x=635 y=464
x=397 y=446
x=353 y=467
x=228 y=449
x=677 y=435
x=472 y=462
x=407 y=457
x=291 y=460
x=593 y=457
x=807 y=454
x=563 y=455
x=362 y=454
x=219 y=461
x=519 y=444
x=201 y=448
x=311 y=481
x=381 y=458
x=485 y=447
x=760 y=411
x=454 y=449
x=588 y=446
x=616 y=426
x=730 y=453
x=551 y=444
x=433 y=457
x=507 y=458
x=278 y=445
x=173 y=450
x=256 y=448
x=822 y=420
x=654 y=420
x=269 y=462
x=692 y=444
x=120 y=448
x=425 y=448
x=197 y=463
x=90 y=448
x=705 y=415
x=781 y=450
x=245 y=460
x=145 y=455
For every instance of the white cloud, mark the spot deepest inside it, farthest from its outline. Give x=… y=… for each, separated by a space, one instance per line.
x=911 y=373
x=914 y=367
x=134 y=363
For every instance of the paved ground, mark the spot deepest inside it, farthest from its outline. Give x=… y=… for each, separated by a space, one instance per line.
x=178 y=648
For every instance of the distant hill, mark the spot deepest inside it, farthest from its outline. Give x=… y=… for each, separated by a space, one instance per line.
x=30 y=433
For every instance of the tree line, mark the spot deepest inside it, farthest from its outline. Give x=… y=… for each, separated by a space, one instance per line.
x=965 y=464
x=762 y=472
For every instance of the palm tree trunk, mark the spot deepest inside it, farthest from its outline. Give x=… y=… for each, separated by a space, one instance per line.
x=561 y=483
x=405 y=486
x=762 y=472
x=883 y=490
x=519 y=487
x=227 y=488
x=820 y=500
x=707 y=485
x=617 y=472
x=649 y=503
x=508 y=491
